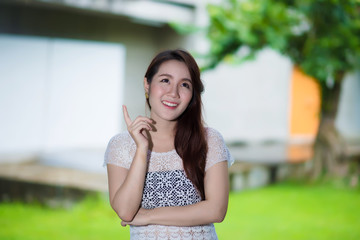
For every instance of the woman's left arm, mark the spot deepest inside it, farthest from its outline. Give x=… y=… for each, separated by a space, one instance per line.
x=212 y=209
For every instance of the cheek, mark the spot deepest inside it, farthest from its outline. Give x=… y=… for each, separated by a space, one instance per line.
x=186 y=96
x=154 y=91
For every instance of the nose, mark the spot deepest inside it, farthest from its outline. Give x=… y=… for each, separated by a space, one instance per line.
x=174 y=91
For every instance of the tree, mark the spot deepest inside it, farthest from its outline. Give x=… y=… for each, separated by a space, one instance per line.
x=321 y=37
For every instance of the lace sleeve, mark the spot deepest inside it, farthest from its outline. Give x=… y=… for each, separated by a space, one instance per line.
x=218 y=150
x=119 y=150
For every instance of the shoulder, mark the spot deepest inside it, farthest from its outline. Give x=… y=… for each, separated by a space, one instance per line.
x=121 y=139
x=217 y=149
x=213 y=135
x=120 y=149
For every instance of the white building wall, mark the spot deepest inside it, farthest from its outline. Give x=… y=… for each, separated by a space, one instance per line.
x=348 y=117
x=250 y=102
x=85 y=93
x=58 y=94
x=23 y=69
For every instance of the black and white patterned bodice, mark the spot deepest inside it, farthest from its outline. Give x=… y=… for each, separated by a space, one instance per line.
x=168 y=189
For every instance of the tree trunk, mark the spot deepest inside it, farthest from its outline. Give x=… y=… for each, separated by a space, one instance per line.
x=329 y=147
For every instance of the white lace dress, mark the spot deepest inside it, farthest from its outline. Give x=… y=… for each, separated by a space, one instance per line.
x=166 y=184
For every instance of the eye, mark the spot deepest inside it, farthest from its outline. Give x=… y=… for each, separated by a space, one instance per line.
x=165 y=80
x=185 y=84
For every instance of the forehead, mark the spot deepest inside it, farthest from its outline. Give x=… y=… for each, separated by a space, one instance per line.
x=174 y=68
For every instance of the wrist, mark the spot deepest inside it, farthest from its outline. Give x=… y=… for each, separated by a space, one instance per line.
x=142 y=149
x=141 y=152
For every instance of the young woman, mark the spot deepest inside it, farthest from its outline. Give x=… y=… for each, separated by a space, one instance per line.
x=168 y=174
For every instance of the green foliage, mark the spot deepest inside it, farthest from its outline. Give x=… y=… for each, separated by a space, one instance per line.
x=322 y=37
x=184 y=28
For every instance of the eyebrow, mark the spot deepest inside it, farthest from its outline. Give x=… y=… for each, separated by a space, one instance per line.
x=169 y=75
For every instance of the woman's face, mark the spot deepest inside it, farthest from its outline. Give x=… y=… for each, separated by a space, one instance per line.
x=170 y=91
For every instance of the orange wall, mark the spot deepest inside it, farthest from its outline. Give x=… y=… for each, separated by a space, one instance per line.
x=305 y=105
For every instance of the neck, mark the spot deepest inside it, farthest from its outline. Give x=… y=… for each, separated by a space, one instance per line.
x=163 y=135
x=164 y=128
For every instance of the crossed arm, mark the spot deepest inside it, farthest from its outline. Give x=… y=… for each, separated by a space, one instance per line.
x=126 y=186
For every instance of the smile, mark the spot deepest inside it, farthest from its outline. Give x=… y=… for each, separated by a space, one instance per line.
x=169 y=104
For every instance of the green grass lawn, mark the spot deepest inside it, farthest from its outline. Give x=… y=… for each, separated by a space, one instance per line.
x=293 y=211
x=283 y=211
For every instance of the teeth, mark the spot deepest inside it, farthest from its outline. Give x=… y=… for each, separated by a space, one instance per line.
x=169 y=104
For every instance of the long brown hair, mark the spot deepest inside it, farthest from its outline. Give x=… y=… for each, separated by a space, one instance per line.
x=190 y=141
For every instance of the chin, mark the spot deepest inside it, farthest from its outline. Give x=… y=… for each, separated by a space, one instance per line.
x=170 y=118
x=173 y=119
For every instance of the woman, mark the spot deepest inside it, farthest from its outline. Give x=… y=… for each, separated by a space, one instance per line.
x=168 y=176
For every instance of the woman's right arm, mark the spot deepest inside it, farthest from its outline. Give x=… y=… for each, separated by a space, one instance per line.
x=126 y=185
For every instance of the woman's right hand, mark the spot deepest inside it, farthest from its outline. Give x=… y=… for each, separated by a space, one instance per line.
x=138 y=129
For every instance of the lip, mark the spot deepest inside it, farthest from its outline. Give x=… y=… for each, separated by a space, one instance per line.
x=171 y=103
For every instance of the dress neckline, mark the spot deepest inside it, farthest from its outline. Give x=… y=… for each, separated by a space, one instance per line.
x=153 y=152
x=162 y=153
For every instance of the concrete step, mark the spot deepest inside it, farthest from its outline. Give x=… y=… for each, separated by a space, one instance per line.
x=50 y=185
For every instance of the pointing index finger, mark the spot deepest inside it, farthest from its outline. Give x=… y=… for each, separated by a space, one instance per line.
x=126 y=116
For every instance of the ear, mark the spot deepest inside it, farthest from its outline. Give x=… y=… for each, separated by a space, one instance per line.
x=146 y=85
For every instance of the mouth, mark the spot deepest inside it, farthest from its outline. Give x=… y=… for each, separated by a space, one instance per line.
x=170 y=104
